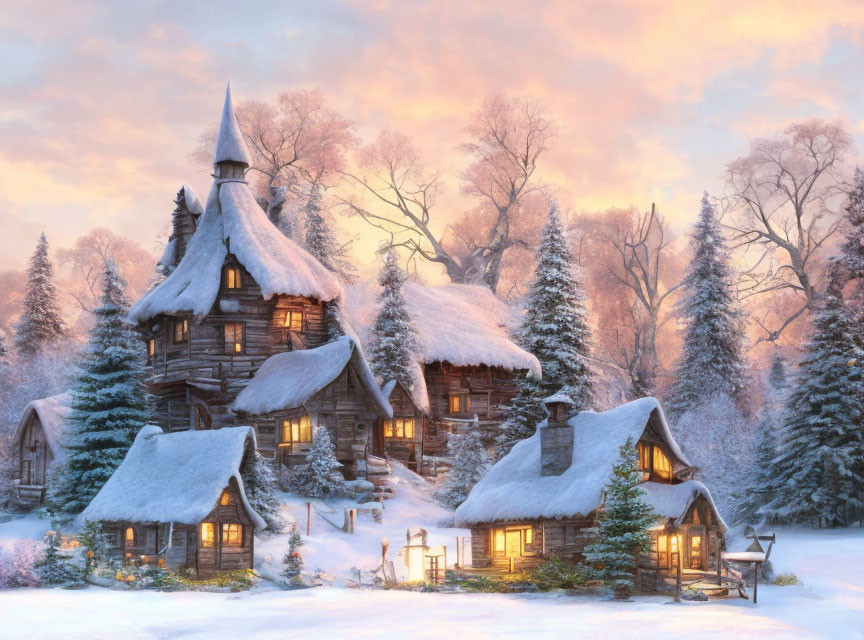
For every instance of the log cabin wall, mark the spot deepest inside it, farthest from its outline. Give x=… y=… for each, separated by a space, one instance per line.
x=408 y=450
x=565 y=539
x=222 y=556
x=197 y=367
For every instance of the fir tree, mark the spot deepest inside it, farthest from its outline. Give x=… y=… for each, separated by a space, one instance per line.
x=108 y=401
x=758 y=488
x=318 y=476
x=40 y=324
x=623 y=524
x=320 y=240
x=853 y=248
x=555 y=329
x=818 y=473
x=394 y=353
x=260 y=485
x=470 y=462
x=293 y=561
x=712 y=359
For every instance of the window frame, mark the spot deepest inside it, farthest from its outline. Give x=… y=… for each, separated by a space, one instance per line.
x=235 y=343
x=226 y=498
x=236 y=273
x=391 y=428
x=226 y=539
x=129 y=540
x=462 y=404
x=288 y=323
x=183 y=323
x=648 y=452
x=206 y=542
x=301 y=424
x=151 y=349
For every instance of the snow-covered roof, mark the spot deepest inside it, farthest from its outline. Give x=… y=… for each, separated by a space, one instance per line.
x=174 y=477
x=558 y=397
x=288 y=380
x=53 y=413
x=514 y=489
x=233 y=218
x=193 y=202
x=673 y=500
x=457 y=323
x=230 y=146
x=419 y=394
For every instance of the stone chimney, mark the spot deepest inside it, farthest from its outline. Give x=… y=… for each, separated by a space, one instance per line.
x=556 y=437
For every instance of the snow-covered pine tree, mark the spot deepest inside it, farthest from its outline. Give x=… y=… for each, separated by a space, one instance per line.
x=261 y=485
x=293 y=561
x=394 y=352
x=470 y=462
x=56 y=568
x=853 y=248
x=317 y=477
x=108 y=401
x=40 y=324
x=4 y=350
x=712 y=358
x=555 y=329
x=623 y=524
x=818 y=470
x=759 y=486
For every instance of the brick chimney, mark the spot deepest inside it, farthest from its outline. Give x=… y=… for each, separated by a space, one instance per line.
x=556 y=437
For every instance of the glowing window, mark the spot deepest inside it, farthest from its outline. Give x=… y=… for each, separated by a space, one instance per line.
x=399 y=428
x=208 y=535
x=645 y=457
x=529 y=535
x=226 y=499
x=232 y=278
x=460 y=403
x=232 y=534
x=130 y=537
x=151 y=348
x=234 y=337
x=294 y=319
x=181 y=331
x=455 y=404
x=499 y=540
x=297 y=430
x=662 y=466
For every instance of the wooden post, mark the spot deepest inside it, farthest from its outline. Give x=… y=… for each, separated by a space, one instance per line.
x=308 y=518
x=678 y=578
x=756 y=566
x=352 y=513
x=458 y=552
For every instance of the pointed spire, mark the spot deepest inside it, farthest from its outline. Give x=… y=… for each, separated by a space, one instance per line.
x=229 y=145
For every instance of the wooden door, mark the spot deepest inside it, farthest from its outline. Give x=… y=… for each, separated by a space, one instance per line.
x=696 y=548
x=513 y=544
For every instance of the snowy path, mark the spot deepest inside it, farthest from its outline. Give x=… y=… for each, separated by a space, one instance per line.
x=829 y=605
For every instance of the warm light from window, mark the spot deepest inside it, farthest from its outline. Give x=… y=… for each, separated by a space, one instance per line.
x=151 y=348
x=455 y=404
x=294 y=320
x=130 y=537
x=529 y=535
x=399 y=428
x=662 y=466
x=297 y=430
x=499 y=539
x=208 y=535
x=232 y=534
x=181 y=331
x=234 y=337
x=232 y=278
x=225 y=499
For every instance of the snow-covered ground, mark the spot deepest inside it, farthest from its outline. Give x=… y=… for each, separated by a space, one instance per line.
x=829 y=604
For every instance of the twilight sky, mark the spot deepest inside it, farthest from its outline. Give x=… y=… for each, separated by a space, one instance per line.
x=101 y=102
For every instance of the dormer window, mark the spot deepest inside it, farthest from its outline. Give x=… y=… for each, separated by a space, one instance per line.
x=226 y=499
x=181 y=331
x=233 y=278
x=294 y=319
x=653 y=461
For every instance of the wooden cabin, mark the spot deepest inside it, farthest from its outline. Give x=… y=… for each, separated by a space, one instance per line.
x=240 y=293
x=541 y=500
x=329 y=386
x=38 y=445
x=177 y=501
x=468 y=367
x=400 y=437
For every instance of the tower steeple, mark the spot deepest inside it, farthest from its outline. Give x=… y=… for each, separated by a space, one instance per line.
x=231 y=158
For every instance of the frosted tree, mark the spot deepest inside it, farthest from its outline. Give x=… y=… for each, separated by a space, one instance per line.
x=711 y=362
x=318 y=477
x=623 y=525
x=470 y=462
x=759 y=485
x=853 y=248
x=320 y=240
x=818 y=472
x=56 y=568
x=394 y=352
x=40 y=324
x=261 y=486
x=4 y=351
x=555 y=329
x=108 y=401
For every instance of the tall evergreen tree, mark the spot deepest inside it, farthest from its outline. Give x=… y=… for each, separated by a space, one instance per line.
x=712 y=358
x=555 y=329
x=853 y=248
x=623 y=524
x=320 y=240
x=260 y=485
x=318 y=476
x=760 y=483
x=108 y=401
x=819 y=471
x=40 y=324
x=470 y=462
x=394 y=352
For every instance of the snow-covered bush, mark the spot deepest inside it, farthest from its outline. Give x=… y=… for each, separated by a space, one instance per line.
x=559 y=574
x=319 y=476
x=623 y=522
x=57 y=568
x=261 y=484
x=470 y=463
x=293 y=561
x=16 y=565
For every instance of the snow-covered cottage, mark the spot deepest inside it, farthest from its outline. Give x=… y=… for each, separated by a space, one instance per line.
x=467 y=371
x=541 y=499
x=38 y=444
x=328 y=386
x=177 y=500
